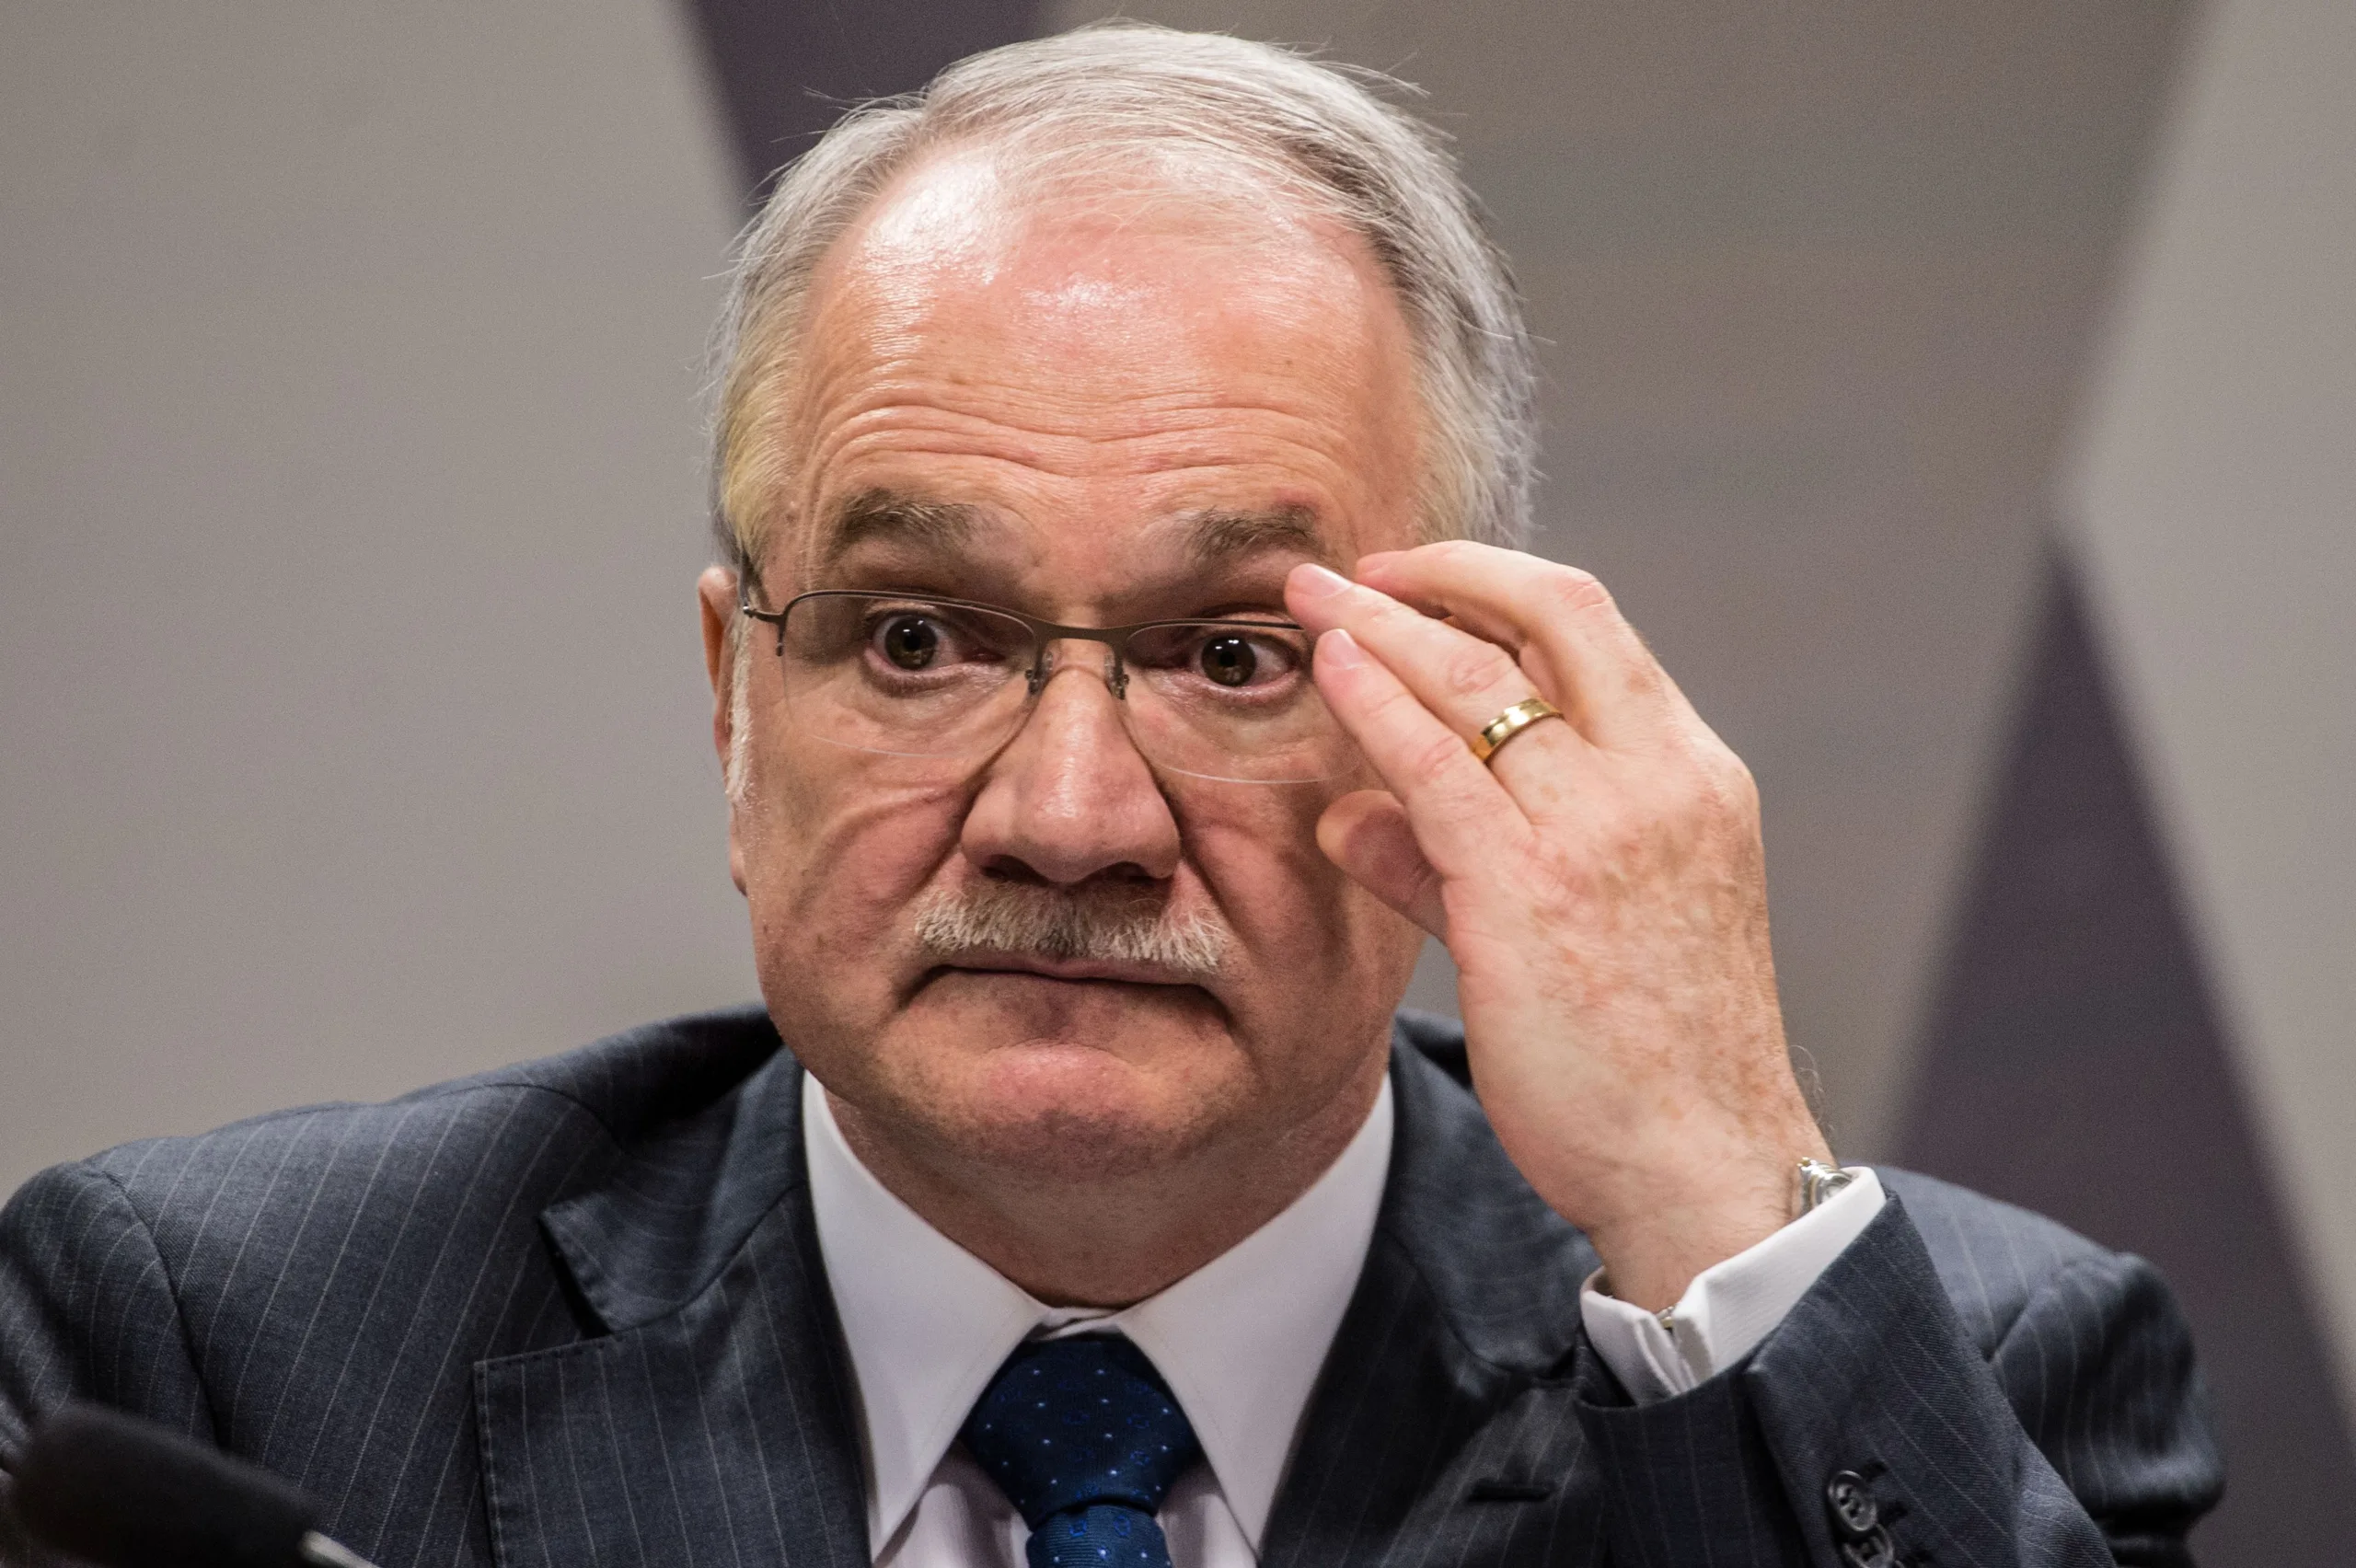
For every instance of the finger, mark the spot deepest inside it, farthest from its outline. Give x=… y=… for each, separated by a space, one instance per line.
x=1367 y=834
x=1460 y=816
x=1603 y=675
x=1466 y=680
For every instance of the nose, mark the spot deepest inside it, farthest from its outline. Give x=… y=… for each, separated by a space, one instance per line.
x=1069 y=797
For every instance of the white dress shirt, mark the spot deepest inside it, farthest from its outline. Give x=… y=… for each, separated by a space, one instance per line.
x=1240 y=1341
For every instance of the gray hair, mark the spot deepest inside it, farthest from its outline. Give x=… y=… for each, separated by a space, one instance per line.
x=1127 y=94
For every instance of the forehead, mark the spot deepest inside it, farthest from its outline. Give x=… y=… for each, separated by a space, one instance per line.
x=1127 y=357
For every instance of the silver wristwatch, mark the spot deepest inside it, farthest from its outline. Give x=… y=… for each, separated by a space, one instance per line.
x=1820 y=1182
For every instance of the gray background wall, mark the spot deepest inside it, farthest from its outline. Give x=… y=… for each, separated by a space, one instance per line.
x=351 y=732
x=1959 y=399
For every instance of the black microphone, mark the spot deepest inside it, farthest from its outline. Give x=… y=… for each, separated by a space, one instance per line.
x=122 y=1493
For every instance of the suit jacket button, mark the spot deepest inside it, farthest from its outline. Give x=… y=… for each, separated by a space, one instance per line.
x=1853 y=1513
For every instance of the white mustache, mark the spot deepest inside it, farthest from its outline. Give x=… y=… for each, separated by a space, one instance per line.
x=1102 y=926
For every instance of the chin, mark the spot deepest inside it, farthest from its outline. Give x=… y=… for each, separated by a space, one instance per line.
x=1067 y=1081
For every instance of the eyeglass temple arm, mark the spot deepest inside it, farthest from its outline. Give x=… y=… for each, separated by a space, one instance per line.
x=745 y=606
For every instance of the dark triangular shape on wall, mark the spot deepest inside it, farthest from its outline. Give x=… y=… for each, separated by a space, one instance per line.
x=2074 y=1063
x=787 y=69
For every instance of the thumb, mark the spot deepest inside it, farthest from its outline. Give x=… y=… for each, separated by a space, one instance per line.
x=1367 y=834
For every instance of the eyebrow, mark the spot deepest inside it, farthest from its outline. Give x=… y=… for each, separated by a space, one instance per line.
x=1218 y=535
x=1211 y=536
x=893 y=517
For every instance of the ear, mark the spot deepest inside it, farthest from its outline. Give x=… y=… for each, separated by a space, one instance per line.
x=716 y=593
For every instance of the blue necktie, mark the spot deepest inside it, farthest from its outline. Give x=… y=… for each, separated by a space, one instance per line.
x=1082 y=1436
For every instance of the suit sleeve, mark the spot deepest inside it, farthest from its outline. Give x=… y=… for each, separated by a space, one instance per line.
x=2099 y=1370
x=1869 y=1429
x=86 y=1313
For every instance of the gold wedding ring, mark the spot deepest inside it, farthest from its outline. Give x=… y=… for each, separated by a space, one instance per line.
x=1510 y=723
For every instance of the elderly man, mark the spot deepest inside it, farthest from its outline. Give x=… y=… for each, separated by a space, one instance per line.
x=1120 y=663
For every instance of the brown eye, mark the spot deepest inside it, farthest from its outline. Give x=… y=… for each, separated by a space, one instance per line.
x=1230 y=660
x=910 y=641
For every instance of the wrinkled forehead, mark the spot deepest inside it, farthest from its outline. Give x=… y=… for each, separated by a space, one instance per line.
x=1098 y=282
x=1237 y=374
x=1176 y=563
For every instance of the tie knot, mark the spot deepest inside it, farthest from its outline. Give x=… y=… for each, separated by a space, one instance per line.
x=1072 y=1423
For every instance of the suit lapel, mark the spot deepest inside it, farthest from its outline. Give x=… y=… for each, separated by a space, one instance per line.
x=712 y=1423
x=1442 y=1427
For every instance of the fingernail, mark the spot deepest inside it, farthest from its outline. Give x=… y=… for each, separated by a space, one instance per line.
x=1340 y=650
x=1317 y=582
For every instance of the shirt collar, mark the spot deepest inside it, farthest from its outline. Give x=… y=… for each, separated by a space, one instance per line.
x=1240 y=1341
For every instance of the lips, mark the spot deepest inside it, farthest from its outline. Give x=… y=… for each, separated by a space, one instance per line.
x=1111 y=970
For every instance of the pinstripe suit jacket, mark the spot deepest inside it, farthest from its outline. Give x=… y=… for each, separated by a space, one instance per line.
x=572 y=1315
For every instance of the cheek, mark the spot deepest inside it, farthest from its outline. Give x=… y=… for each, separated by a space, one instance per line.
x=835 y=850
x=1303 y=923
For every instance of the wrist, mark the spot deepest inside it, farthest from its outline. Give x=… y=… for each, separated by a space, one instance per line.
x=1671 y=1230
x=1650 y=1264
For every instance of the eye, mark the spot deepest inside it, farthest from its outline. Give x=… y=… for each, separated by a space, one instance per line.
x=910 y=641
x=1229 y=659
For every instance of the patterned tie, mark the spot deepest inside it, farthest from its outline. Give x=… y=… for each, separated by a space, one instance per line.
x=1082 y=1436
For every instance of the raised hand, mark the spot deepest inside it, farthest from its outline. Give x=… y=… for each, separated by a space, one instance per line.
x=1599 y=882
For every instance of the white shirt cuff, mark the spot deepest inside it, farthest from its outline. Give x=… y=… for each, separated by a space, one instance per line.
x=1730 y=1305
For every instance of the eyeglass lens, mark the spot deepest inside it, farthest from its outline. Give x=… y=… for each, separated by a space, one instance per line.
x=922 y=678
